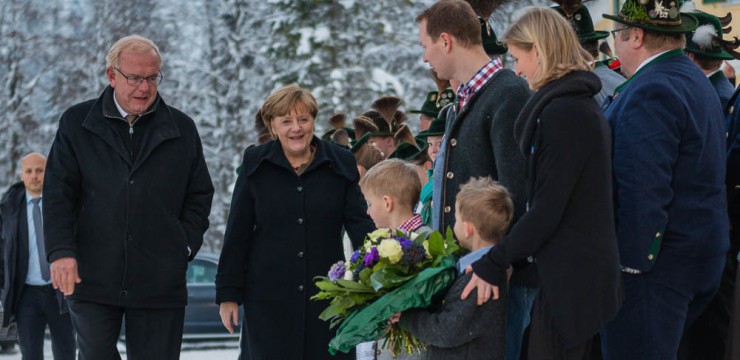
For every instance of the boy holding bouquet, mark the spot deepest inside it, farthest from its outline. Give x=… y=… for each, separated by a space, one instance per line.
x=391 y=189
x=460 y=329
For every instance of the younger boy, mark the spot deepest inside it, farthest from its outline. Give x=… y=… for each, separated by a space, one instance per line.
x=460 y=329
x=391 y=189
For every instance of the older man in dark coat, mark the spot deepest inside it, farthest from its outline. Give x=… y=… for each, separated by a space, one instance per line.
x=127 y=196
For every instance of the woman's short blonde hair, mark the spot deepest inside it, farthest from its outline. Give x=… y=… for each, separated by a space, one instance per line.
x=558 y=48
x=286 y=99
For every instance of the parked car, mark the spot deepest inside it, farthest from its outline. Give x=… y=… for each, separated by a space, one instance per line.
x=202 y=320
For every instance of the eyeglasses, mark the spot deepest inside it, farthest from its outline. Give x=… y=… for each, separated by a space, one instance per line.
x=615 y=31
x=134 y=80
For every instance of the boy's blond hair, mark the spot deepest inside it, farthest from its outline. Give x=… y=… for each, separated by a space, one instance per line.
x=487 y=205
x=395 y=178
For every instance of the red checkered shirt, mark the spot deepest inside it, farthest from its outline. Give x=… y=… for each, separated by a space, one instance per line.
x=411 y=224
x=467 y=90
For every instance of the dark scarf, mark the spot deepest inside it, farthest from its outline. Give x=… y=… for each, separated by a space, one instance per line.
x=579 y=81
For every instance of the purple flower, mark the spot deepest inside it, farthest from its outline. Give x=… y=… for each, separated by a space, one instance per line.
x=372 y=257
x=355 y=256
x=337 y=271
x=405 y=242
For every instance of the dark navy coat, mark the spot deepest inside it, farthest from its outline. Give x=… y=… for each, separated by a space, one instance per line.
x=283 y=230
x=669 y=164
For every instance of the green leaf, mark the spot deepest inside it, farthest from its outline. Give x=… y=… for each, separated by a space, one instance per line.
x=436 y=245
x=389 y=277
x=354 y=286
x=331 y=311
x=365 y=275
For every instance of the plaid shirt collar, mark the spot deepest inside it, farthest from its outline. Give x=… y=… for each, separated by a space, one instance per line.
x=466 y=91
x=411 y=224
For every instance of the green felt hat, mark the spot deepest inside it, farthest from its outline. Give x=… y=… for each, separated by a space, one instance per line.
x=435 y=102
x=661 y=16
x=706 y=40
x=408 y=152
x=490 y=41
x=436 y=128
x=582 y=24
x=356 y=144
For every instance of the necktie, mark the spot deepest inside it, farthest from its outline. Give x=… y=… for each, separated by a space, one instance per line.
x=39 y=227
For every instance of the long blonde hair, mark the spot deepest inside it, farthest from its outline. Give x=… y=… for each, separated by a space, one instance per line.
x=558 y=48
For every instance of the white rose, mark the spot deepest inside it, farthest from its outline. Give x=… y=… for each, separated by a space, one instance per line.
x=391 y=250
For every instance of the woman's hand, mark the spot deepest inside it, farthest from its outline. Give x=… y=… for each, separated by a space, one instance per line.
x=486 y=291
x=229 y=312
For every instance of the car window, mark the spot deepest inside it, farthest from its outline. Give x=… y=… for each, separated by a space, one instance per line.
x=201 y=272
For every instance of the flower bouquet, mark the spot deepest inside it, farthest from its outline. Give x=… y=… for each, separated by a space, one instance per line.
x=391 y=272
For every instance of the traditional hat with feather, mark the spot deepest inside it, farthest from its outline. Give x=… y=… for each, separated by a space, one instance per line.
x=706 y=41
x=484 y=9
x=337 y=121
x=408 y=148
x=662 y=16
x=580 y=19
x=386 y=116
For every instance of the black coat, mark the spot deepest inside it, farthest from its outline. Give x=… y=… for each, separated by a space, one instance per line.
x=14 y=268
x=284 y=230
x=569 y=227
x=14 y=252
x=127 y=206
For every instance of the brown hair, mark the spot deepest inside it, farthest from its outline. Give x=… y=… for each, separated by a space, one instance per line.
x=286 y=99
x=395 y=178
x=487 y=205
x=653 y=40
x=455 y=17
x=558 y=48
x=368 y=156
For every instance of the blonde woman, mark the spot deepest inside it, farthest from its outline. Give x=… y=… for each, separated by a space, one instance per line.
x=569 y=226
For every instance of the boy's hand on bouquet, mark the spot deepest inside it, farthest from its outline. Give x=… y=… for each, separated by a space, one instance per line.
x=395 y=318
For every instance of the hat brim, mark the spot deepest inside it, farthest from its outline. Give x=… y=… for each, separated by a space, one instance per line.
x=724 y=55
x=596 y=35
x=688 y=23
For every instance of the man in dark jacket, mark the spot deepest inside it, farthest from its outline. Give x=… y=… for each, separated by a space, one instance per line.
x=127 y=196
x=479 y=136
x=669 y=183
x=27 y=295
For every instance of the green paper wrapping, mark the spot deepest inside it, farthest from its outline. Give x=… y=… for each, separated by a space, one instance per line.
x=369 y=322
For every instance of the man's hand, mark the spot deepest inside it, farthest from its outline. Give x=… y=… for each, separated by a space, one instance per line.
x=395 y=318
x=486 y=291
x=229 y=312
x=64 y=275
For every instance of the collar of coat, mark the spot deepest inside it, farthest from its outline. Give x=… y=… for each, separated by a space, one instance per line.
x=161 y=126
x=576 y=82
x=326 y=153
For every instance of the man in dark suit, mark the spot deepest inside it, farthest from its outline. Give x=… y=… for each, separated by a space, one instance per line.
x=27 y=294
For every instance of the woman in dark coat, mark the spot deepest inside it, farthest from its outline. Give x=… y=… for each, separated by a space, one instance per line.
x=569 y=226
x=291 y=200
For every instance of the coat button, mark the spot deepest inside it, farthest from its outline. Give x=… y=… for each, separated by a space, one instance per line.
x=453 y=142
x=450 y=175
x=447 y=209
x=129 y=237
x=130 y=181
x=651 y=257
x=300 y=188
x=300 y=220
x=300 y=254
x=300 y=288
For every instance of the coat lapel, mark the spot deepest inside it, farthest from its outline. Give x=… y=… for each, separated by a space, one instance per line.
x=100 y=127
x=161 y=129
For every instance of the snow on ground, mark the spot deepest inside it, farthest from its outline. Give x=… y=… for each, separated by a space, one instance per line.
x=211 y=350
